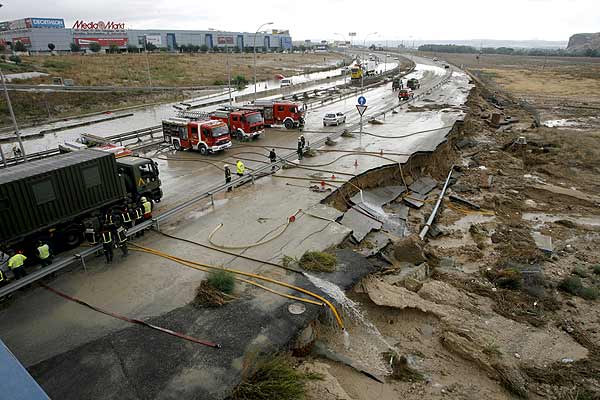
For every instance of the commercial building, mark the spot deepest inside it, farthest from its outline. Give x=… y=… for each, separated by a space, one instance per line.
x=36 y=33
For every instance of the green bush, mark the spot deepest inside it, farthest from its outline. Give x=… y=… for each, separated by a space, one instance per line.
x=580 y=271
x=589 y=293
x=571 y=284
x=218 y=82
x=272 y=378
x=15 y=59
x=221 y=280
x=318 y=261
x=509 y=279
x=596 y=269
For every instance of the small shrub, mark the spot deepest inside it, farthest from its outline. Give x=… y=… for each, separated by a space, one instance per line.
x=580 y=271
x=596 y=269
x=288 y=261
x=15 y=59
x=221 y=280
x=492 y=350
x=509 y=279
x=571 y=284
x=218 y=82
x=208 y=296
x=318 y=261
x=589 y=293
x=272 y=377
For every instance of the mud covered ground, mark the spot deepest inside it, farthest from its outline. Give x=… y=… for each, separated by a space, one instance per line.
x=503 y=302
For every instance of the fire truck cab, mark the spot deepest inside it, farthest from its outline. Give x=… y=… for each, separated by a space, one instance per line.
x=206 y=136
x=243 y=124
x=286 y=113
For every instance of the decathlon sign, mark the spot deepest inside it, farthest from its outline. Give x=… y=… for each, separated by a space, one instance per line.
x=47 y=23
x=99 y=26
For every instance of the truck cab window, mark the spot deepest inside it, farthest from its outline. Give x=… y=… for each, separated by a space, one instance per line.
x=280 y=108
x=194 y=129
x=234 y=118
x=146 y=171
x=293 y=109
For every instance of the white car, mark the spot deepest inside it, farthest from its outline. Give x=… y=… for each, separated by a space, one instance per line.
x=334 y=119
x=286 y=82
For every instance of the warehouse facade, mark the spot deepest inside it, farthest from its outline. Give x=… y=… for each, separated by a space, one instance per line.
x=36 y=33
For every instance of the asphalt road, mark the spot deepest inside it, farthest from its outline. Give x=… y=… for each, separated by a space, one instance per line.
x=60 y=340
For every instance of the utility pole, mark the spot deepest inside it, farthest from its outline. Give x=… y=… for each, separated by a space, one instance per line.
x=362 y=76
x=147 y=64
x=228 y=73
x=254 y=48
x=14 y=120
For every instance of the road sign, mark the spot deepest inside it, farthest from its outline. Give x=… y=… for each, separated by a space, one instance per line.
x=361 y=109
x=362 y=100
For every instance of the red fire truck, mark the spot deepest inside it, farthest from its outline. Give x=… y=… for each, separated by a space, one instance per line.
x=279 y=112
x=243 y=124
x=206 y=136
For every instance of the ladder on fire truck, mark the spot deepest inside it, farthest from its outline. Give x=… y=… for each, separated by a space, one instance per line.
x=193 y=115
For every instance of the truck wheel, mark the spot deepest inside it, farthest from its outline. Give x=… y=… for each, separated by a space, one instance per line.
x=203 y=150
x=71 y=237
x=288 y=124
x=240 y=136
x=176 y=145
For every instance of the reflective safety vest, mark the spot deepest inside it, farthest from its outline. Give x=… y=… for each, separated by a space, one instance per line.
x=2 y=276
x=16 y=261
x=106 y=237
x=138 y=213
x=126 y=217
x=240 y=167
x=90 y=235
x=121 y=234
x=43 y=251
x=147 y=207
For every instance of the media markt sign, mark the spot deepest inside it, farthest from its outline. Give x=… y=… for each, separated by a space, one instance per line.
x=99 y=26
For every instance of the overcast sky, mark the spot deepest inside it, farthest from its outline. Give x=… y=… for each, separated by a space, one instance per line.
x=312 y=19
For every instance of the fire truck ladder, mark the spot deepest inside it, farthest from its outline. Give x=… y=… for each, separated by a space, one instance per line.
x=193 y=115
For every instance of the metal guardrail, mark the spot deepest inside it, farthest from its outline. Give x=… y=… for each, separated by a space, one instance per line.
x=156 y=221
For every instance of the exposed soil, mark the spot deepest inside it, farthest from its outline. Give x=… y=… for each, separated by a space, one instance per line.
x=495 y=318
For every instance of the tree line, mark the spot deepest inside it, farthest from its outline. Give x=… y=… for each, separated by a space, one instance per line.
x=453 y=48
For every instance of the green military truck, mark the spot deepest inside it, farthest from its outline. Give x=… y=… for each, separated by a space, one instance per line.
x=55 y=199
x=413 y=83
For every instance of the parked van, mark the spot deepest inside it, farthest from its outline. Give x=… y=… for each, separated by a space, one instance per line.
x=286 y=82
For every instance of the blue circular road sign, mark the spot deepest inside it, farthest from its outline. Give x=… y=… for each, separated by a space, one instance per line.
x=362 y=100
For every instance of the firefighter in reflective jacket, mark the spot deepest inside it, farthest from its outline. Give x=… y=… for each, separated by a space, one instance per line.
x=16 y=263
x=3 y=280
x=147 y=207
x=240 y=168
x=43 y=253
x=107 y=244
x=120 y=235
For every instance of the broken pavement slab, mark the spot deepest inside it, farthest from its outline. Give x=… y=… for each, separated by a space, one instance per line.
x=359 y=223
x=463 y=201
x=379 y=196
x=543 y=242
x=423 y=185
x=373 y=243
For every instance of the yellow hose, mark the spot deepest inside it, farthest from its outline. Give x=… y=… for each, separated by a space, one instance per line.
x=234 y=271
x=289 y=296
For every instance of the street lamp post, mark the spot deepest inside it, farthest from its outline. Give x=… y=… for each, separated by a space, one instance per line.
x=14 y=120
x=254 y=48
x=362 y=76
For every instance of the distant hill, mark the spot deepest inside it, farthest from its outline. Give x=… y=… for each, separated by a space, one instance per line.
x=584 y=41
x=478 y=43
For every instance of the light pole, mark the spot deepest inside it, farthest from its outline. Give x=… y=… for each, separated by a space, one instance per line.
x=362 y=76
x=254 y=48
x=14 y=120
